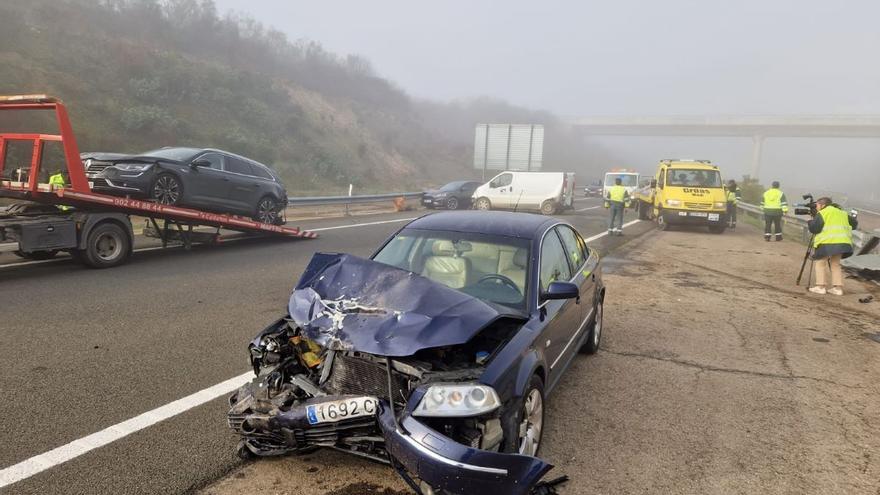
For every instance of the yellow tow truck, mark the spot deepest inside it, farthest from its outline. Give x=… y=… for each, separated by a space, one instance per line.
x=685 y=192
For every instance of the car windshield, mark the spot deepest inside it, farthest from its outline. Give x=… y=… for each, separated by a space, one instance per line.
x=687 y=177
x=490 y=268
x=626 y=180
x=176 y=154
x=452 y=186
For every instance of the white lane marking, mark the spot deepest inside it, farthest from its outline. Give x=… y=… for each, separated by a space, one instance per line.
x=603 y=234
x=39 y=463
x=587 y=208
x=27 y=468
x=155 y=248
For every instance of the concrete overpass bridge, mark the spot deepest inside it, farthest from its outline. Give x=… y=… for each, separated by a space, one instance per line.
x=758 y=128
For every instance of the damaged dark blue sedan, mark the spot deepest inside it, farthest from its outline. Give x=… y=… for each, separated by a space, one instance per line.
x=434 y=356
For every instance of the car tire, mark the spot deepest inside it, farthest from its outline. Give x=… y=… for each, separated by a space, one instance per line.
x=483 y=204
x=548 y=207
x=513 y=442
x=267 y=211
x=452 y=203
x=37 y=255
x=167 y=190
x=107 y=245
x=594 y=337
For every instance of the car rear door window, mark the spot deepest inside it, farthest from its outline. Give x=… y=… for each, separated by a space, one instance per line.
x=574 y=246
x=554 y=264
x=238 y=166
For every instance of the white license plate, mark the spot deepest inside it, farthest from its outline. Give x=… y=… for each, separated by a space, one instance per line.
x=713 y=216
x=682 y=213
x=699 y=214
x=337 y=410
x=91 y=184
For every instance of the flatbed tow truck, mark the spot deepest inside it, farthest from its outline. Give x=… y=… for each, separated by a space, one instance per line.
x=94 y=228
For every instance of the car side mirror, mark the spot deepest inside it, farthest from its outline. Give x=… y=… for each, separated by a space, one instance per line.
x=201 y=163
x=561 y=290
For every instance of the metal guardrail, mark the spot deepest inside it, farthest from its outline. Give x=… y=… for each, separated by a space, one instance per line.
x=349 y=200
x=859 y=237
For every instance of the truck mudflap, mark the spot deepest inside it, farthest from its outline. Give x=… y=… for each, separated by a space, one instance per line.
x=436 y=460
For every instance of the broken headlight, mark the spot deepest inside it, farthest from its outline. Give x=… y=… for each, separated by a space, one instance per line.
x=457 y=400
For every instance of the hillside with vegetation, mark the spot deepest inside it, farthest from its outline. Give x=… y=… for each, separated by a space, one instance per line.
x=141 y=74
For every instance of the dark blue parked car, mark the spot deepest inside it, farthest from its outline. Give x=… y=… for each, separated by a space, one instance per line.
x=434 y=356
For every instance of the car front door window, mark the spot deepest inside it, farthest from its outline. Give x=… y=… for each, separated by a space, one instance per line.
x=554 y=264
x=215 y=159
x=574 y=246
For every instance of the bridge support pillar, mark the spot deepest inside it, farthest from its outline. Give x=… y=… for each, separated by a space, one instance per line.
x=757 y=144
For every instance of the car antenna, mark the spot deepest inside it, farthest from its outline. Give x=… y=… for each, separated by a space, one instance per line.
x=517 y=200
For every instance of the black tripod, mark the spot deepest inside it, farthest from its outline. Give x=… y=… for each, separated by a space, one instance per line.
x=804 y=264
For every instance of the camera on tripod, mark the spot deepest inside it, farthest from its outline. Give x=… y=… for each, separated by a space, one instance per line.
x=808 y=207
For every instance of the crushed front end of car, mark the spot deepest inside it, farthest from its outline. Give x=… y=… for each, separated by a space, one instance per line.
x=384 y=364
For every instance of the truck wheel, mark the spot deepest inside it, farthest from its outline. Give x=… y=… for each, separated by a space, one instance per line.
x=643 y=211
x=37 y=255
x=662 y=224
x=595 y=335
x=108 y=245
x=483 y=204
x=717 y=229
x=548 y=207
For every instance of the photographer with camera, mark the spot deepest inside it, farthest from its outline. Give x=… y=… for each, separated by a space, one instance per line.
x=832 y=240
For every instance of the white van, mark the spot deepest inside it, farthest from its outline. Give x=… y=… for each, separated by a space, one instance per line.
x=549 y=192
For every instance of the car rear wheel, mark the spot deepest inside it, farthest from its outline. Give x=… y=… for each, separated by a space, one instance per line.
x=167 y=190
x=484 y=204
x=267 y=211
x=452 y=203
x=591 y=346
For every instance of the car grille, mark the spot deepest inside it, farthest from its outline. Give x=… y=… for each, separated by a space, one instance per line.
x=698 y=206
x=352 y=375
x=99 y=182
x=96 y=166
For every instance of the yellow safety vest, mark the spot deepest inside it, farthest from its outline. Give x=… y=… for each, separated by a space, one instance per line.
x=56 y=180
x=617 y=193
x=836 y=230
x=731 y=197
x=773 y=200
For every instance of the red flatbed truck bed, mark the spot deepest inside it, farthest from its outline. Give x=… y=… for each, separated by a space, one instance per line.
x=96 y=228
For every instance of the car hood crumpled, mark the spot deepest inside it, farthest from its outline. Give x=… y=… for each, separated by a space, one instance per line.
x=343 y=302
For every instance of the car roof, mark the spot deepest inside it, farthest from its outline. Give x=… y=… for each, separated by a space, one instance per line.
x=503 y=223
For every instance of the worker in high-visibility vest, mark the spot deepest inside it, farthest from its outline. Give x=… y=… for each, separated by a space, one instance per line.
x=775 y=205
x=615 y=199
x=733 y=195
x=832 y=240
x=57 y=181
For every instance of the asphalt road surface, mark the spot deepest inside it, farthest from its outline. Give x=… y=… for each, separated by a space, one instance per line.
x=85 y=349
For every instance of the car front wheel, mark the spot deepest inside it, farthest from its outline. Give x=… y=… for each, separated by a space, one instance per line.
x=267 y=211
x=167 y=190
x=484 y=204
x=524 y=432
x=452 y=203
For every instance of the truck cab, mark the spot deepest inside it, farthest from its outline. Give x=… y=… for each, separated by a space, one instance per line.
x=685 y=192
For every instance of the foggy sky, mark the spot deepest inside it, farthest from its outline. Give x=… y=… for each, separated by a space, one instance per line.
x=622 y=58
x=610 y=57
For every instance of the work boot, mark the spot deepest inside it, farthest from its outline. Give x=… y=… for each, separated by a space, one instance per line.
x=767 y=238
x=837 y=291
x=778 y=237
x=819 y=290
